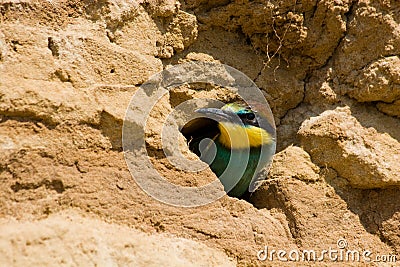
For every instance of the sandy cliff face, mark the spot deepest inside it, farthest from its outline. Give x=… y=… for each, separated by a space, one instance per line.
x=329 y=69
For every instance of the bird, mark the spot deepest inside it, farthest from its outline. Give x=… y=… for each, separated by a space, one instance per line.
x=230 y=140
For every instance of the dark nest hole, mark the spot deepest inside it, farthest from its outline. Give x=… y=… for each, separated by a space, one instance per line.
x=198 y=129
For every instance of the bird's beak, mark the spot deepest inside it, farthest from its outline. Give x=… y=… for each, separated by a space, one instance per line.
x=219 y=115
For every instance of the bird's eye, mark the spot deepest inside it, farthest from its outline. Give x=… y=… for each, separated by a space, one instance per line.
x=250 y=116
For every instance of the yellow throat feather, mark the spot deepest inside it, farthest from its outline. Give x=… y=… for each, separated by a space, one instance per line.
x=235 y=136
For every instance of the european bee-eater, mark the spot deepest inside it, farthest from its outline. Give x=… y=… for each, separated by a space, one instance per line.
x=240 y=132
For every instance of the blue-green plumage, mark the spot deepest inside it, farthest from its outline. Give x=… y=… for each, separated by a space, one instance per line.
x=241 y=160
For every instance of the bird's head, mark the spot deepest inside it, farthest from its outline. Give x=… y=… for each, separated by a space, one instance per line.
x=241 y=125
